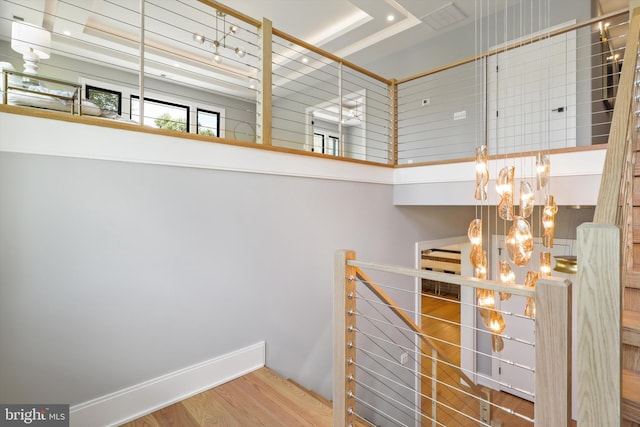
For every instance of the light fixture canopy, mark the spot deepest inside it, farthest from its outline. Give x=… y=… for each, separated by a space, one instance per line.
x=33 y=42
x=221 y=41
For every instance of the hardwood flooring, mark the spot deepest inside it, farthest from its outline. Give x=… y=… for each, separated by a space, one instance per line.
x=260 y=398
x=448 y=395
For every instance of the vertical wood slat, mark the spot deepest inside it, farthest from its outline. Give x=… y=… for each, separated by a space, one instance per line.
x=553 y=352
x=599 y=325
x=264 y=105
x=342 y=337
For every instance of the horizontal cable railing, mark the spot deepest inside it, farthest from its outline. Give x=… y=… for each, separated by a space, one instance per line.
x=201 y=71
x=555 y=90
x=401 y=349
x=196 y=68
x=324 y=105
x=205 y=69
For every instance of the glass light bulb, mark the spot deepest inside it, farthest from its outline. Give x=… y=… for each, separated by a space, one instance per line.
x=485 y=298
x=482 y=173
x=545 y=264
x=527 y=200
x=217 y=58
x=548 y=221
x=543 y=168
x=519 y=242
x=504 y=187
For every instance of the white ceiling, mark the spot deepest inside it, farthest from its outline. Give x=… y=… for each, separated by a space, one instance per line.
x=344 y=27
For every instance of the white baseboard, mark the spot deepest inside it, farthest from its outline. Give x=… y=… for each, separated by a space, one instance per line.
x=133 y=402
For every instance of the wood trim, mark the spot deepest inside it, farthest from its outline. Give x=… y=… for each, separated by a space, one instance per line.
x=127 y=404
x=599 y=320
x=97 y=121
x=448 y=278
x=553 y=352
x=477 y=390
x=342 y=286
x=608 y=197
x=266 y=50
x=515 y=45
x=508 y=155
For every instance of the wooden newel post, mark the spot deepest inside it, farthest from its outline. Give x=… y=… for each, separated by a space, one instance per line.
x=599 y=308
x=553 y=352
x=344 y=324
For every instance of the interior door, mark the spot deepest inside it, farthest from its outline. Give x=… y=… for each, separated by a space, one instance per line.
x=531 y=96
x=512 y=377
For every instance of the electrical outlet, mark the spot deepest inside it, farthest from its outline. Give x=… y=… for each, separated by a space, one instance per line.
x=426 y=101
x=404 y=358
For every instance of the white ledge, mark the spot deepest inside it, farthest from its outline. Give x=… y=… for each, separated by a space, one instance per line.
x=35 y=135
x=575 y=175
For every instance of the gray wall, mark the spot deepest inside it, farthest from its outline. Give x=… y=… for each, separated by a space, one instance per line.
x=460 y=44
x=114 y=273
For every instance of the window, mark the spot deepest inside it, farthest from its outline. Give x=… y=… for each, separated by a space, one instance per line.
x=161 y=114
x=108 y=100
x=318 y=143
x=332 y=146
x=325 y=144
x=208 y=122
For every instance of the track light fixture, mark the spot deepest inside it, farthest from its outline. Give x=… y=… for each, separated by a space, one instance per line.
x=219 y=42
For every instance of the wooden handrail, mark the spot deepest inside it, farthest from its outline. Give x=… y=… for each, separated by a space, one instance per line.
x=514 y=45
x=415 y=328
x=607 y=207
x=471 y=282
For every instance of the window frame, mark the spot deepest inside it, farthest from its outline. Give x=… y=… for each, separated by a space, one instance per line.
x=203 y=110
x=159 y=101
x=87 y=92
x=128 y=91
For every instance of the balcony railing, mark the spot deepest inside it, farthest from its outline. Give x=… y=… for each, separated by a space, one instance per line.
x=214 y=72
x=397 y=353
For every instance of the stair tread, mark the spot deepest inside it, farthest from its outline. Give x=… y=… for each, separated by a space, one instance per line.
x=632 y=279
x=631 y=395
x=631 y=327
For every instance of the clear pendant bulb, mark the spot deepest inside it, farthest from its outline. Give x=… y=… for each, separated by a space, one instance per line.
x=504 y=187
x=482 y=173
x=549 y=221
x=527 y=199
x=520 y=242
x=543 y=168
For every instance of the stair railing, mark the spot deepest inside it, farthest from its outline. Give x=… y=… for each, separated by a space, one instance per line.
x=604 y=246
x=552 y=335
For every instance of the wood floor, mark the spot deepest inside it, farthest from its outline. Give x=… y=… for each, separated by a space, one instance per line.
x=260 y=398
x=447 y=394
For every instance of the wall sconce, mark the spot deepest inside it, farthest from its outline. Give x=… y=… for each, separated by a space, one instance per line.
x=33 y=42
x=221 y=42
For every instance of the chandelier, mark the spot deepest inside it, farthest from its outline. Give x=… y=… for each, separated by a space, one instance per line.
x=221 y=42
x=519 y=241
